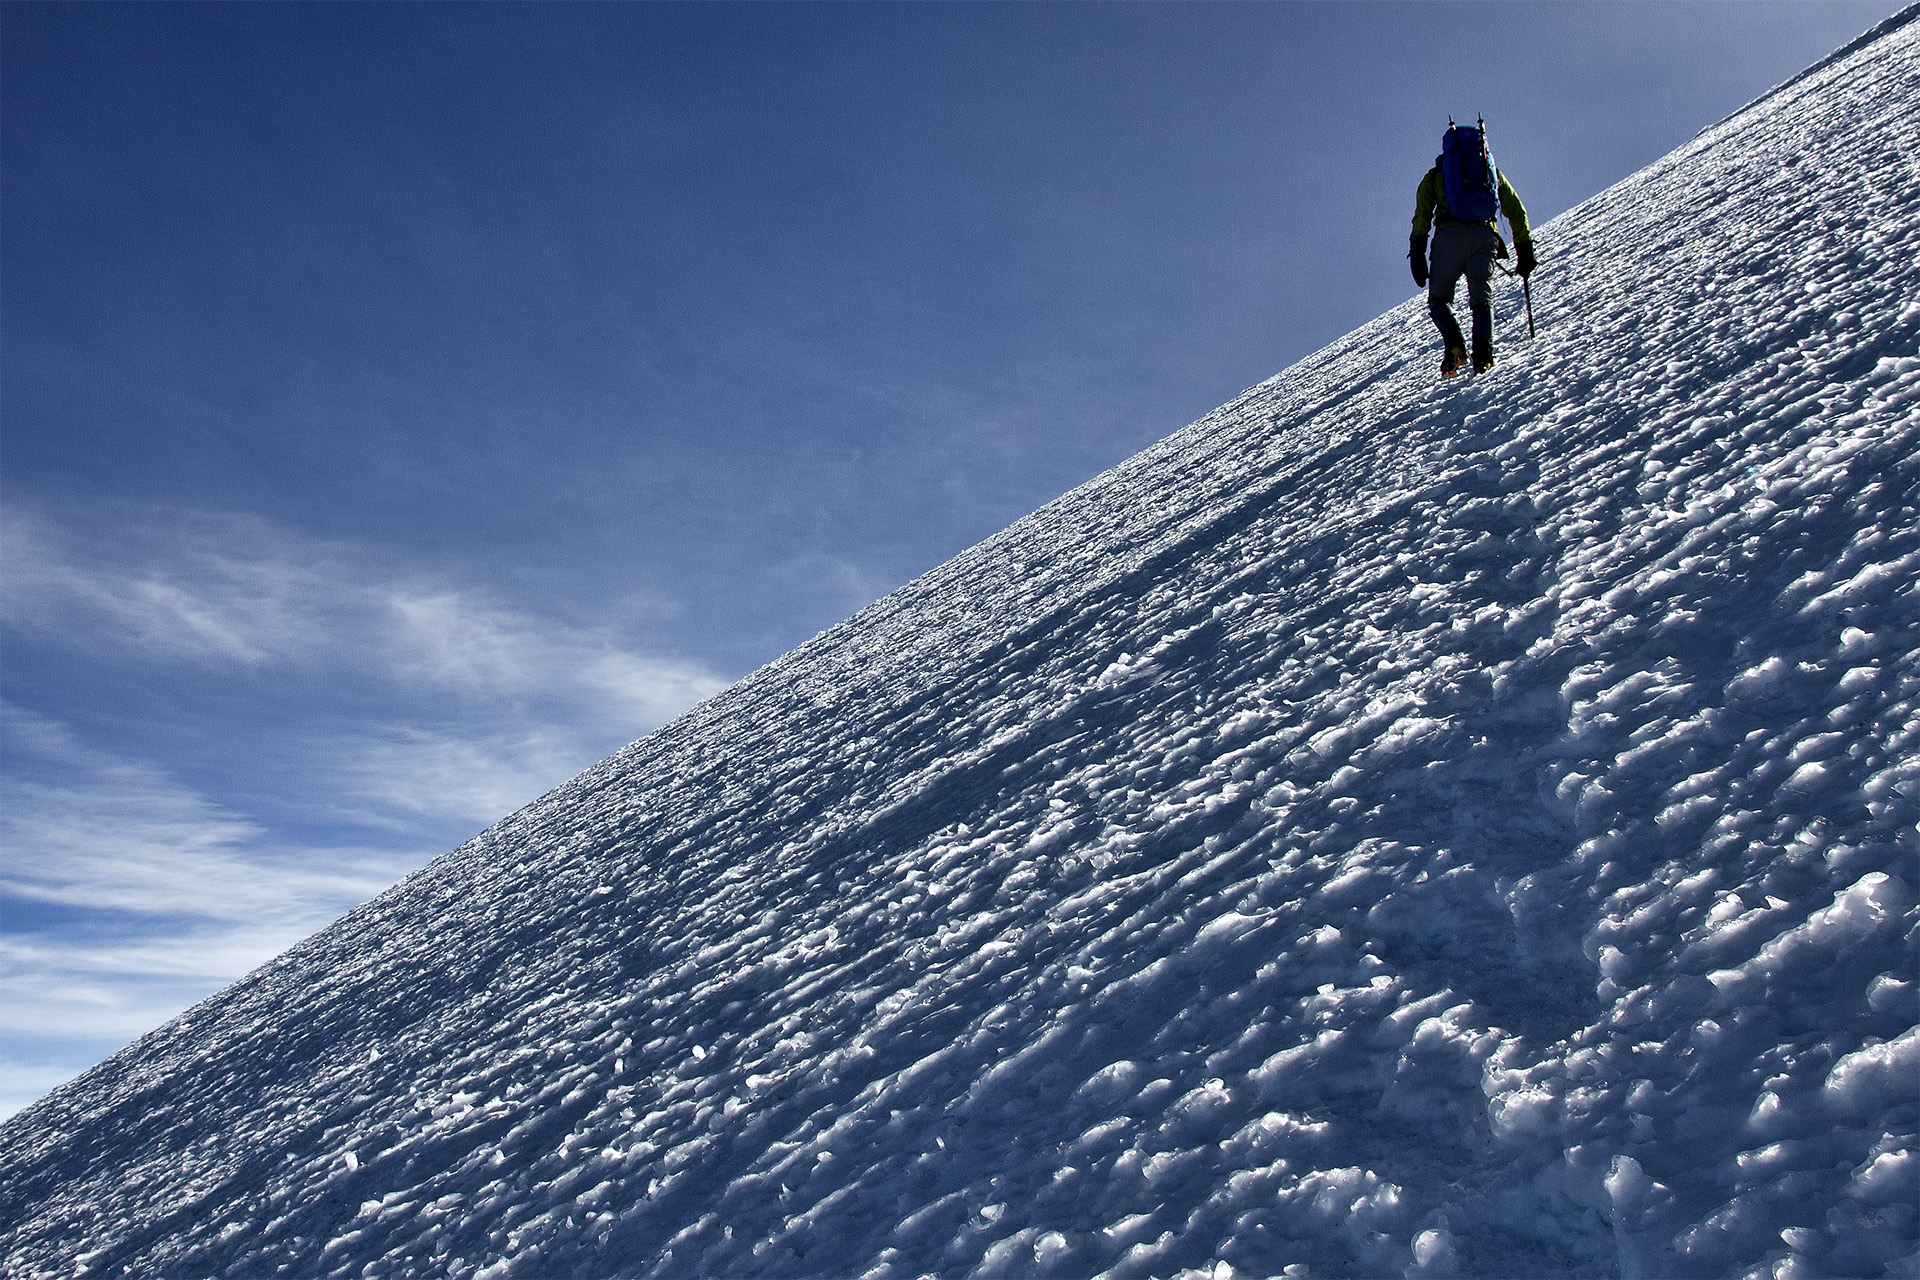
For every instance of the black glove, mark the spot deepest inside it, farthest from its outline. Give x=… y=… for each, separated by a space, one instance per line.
x=1417 y=259
x=1526 y=263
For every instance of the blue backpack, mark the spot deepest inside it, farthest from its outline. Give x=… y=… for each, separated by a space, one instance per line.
x=1467 y=174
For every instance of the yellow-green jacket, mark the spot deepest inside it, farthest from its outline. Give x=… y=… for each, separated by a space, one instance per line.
x=1430 y=207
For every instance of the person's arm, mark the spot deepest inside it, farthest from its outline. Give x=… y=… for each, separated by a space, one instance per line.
x=1423 y=203
x=1517 y=219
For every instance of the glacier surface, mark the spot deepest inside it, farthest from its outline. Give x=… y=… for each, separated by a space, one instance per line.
x=1389 y=828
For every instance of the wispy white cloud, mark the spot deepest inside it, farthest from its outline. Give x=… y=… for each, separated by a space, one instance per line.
x=458 y=642
x=235 y=590
x=23 y=1081
x=163 y=895
x=86 y=828
x=116 y=989
x=413 y=773
x=832 y=578
x=164 y=585
x=414 y=711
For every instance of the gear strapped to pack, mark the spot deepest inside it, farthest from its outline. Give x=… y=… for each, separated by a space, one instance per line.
x=1468 y=175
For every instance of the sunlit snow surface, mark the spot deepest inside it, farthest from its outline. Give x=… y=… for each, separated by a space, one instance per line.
x=1390 y=827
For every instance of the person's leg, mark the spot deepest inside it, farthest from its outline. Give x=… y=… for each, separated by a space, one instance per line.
x=1441 y=309
x=1446 y=261
x=1478 y=269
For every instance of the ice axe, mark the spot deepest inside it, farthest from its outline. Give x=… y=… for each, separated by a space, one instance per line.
x=1526 y=290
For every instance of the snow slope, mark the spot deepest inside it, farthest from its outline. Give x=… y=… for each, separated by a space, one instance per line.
x=1389 y=828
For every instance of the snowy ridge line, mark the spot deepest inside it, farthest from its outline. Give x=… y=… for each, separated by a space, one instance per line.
x=1880 y=30
x=1387 y=828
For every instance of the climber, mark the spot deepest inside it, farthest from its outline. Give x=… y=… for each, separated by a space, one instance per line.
x=1460 y=198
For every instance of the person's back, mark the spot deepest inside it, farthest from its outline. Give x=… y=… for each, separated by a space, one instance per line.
x=1465 y=243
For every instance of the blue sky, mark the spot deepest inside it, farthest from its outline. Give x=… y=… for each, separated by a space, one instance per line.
x=405 y=406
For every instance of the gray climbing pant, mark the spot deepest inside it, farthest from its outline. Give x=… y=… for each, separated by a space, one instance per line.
x=1463 y=248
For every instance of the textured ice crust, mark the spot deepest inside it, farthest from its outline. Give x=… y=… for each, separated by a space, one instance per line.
x=1390 y=828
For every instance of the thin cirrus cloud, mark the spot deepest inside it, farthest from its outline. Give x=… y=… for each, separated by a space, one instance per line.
x=216 y=590
x=186 y=588
x=409 y=774
x=114 y=836
x=162 y=894
x=397 y=714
